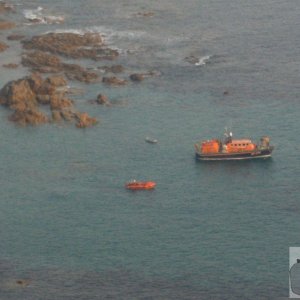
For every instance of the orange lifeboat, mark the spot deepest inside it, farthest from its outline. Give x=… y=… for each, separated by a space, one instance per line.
x=140 y=185
x=233 y=149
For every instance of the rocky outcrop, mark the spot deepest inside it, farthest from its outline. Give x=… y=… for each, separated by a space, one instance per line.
x=102 y=99
x=76 y=72
x=72 y=45
x=83 y=120
x=26 y=95
x=28 y=117
x=43 y=62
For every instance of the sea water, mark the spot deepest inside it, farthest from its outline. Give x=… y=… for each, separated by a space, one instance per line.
x=210 y=230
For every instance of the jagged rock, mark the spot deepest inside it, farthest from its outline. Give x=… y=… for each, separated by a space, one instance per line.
x=47 y=63
x=46 y=89
x=35 y=81
x=28 y=117
x=10 y=66
x=84 y=120
x=58 y=103
x=3 y=47
x=102 y=100
x=25 y=95
x=57 y=81
x=75 y=72
x=4 y=25
x=43 y=99
x=114 y=80
x=38 y=59
x=18 y=95
x=88 y=45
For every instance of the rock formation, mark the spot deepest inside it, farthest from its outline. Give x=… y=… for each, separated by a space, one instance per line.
x=43 y=62
x=26 y=95
x=102 y=100
x=72 y=45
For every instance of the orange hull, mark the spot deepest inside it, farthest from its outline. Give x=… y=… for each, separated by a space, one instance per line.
x=140 y=185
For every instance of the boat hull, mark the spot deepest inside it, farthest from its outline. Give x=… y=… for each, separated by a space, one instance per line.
x=236 y=156
x=134 y=186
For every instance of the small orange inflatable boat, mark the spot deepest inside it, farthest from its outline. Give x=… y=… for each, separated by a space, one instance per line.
x=140 y=185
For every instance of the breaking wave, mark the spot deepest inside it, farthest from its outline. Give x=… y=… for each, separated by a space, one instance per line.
x=37 y=16
x=202 y=60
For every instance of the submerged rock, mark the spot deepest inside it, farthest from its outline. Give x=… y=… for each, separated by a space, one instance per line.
x=15 y=37
x=10 y=66
x=23 y=282
x=114 y=81
x=145 y=14
x=137 y=77
x=4 y=25
x=141 y=76
x=102 y=100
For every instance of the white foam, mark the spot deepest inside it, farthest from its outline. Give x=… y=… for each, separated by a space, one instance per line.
x=202 y=60
x=76 y=31
x=109 y=35
x=37 y=16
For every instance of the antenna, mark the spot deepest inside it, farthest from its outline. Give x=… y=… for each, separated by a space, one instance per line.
x=226 y=132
